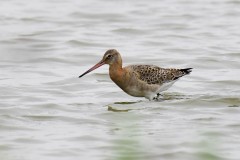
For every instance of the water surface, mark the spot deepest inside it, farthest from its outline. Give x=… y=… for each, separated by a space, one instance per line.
x=47 y=112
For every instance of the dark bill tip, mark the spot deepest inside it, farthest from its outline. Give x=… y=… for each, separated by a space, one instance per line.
x=93 y=68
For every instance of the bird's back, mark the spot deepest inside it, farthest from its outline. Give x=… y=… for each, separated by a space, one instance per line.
x=152 y=74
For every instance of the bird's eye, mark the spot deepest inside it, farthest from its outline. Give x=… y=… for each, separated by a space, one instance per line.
x=109 y=56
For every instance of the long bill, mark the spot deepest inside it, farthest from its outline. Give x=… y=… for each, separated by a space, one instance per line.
x=99 y=64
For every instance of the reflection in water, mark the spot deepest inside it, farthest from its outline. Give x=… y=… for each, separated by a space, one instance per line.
x=126 y=102
x=118 y=110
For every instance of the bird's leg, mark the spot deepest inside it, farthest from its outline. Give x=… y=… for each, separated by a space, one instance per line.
x=158 y=94
x=157 y=97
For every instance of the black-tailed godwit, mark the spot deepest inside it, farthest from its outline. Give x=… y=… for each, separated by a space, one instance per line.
x=139 y=80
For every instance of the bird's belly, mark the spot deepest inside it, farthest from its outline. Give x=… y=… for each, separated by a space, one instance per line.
x=141 y=90
x=134 y=91
x=148 y=91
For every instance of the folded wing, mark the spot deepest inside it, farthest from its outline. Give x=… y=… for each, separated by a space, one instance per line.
x=155 y=75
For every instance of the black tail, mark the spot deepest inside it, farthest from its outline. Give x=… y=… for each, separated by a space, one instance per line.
x=186 y=70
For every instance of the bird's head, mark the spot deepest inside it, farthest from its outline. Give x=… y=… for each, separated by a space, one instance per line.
x=110 y=57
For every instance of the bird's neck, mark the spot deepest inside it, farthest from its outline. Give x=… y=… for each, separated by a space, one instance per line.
x=116 y=72
x=115 y=68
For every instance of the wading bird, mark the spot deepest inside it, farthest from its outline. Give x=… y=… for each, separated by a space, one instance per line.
x=139 y=80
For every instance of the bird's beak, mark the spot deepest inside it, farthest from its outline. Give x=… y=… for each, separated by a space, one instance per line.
x=99 y=64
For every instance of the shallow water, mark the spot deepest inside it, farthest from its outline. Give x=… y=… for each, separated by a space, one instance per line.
x=47 y=112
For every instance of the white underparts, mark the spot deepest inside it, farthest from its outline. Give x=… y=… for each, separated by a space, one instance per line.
x=163 y=87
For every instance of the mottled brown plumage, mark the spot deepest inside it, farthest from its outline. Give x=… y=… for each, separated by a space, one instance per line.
x=156 y=75
x=139 y=80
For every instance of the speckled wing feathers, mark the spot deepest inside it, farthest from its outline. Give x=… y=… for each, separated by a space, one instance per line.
x=155 y=75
